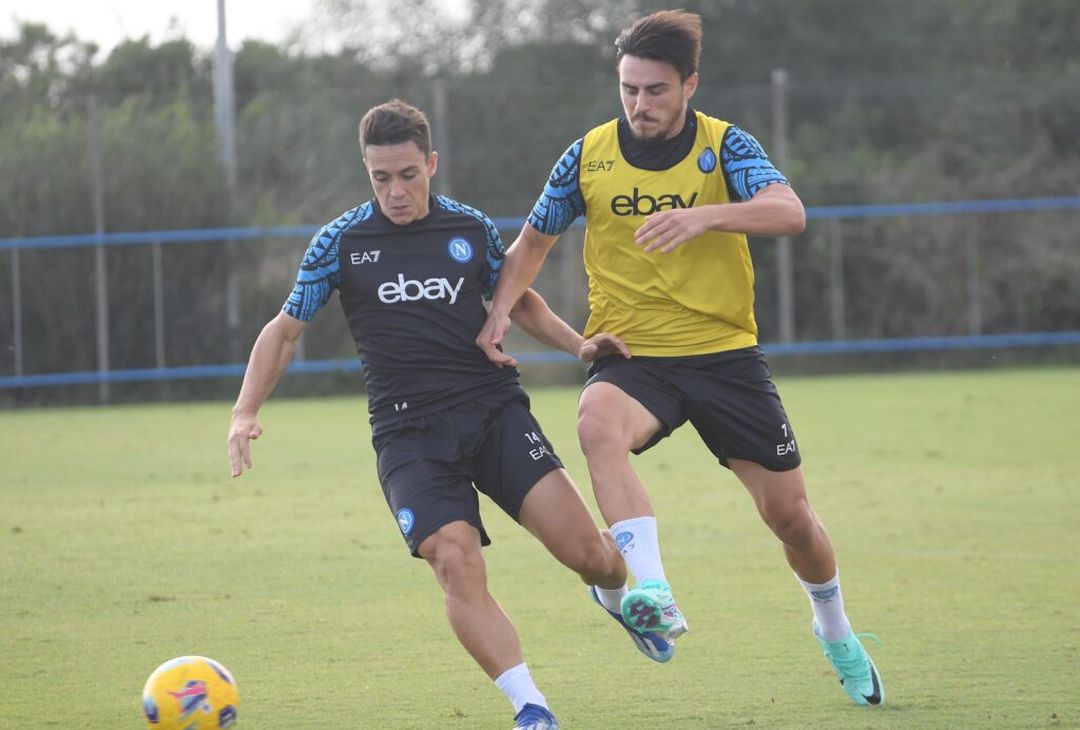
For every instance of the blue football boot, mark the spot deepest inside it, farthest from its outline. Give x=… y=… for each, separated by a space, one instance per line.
x=535 y=717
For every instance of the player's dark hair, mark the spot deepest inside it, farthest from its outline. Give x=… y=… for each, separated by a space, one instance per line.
x=669 y=35
x=393 y=123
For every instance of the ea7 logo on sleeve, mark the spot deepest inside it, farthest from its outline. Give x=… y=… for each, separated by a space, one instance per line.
x=413 y=290
x=646 y=204
x=364 y=257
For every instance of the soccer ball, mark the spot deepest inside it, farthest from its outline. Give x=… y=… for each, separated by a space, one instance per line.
x=190 y=693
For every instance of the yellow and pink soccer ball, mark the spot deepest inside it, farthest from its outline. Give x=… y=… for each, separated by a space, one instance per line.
x=190 y=693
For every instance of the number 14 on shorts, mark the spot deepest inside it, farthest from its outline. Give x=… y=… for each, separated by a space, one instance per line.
x=537 y=447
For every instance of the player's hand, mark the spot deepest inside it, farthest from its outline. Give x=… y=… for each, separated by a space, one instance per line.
x=602 y=345
x=242 y=432
x=491 y=336
x=669 y=229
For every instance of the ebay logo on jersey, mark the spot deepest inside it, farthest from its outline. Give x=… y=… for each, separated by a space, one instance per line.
x=413 y=290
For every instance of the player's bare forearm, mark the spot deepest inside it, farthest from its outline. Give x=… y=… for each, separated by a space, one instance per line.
x=520 y=265
x=775 y=211
x=532 y=314
x=270 y=357
x=523 y=261
x=274 y=348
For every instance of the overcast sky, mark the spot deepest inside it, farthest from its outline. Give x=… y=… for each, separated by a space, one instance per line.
x=108 y=22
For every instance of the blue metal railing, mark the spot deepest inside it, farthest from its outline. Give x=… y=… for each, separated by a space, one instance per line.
x=208 y=235
x=829 y=347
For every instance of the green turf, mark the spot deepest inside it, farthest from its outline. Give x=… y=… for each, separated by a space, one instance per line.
x=953 y=500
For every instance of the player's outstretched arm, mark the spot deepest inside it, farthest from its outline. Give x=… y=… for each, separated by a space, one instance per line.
x=270 y=356
x=520 y=266
x=532 y=314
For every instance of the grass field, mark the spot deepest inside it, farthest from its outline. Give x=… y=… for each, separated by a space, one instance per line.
x=953 y=500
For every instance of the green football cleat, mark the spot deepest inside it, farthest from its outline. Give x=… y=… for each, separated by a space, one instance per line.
x=653 y=645
x=854 y=667
x=651 y=607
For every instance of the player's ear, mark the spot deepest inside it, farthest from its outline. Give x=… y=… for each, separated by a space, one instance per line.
x=690 y=86
x=432 y=163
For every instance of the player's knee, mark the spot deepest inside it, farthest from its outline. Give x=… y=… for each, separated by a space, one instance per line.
x=458 y=566
x=598 y=434
x=792 y=521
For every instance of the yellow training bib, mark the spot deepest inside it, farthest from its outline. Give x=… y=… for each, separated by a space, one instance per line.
x=694 y=300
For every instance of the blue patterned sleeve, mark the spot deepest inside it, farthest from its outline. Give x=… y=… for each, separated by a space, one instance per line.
x=746 y=166
x=562 y=201
x=495 y=253
x=319 y=275
x=320 y=271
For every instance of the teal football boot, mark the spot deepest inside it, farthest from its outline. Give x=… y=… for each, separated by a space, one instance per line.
x=651 y=607
x=854 y=667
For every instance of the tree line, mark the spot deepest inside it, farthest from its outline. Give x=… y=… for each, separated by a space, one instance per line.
x=888 y=102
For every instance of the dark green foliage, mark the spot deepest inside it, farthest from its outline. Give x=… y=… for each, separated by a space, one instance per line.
x=889 y=102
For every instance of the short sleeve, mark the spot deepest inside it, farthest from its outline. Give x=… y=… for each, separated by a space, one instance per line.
x=320 y=271
x=746 y=166
x=561 y=202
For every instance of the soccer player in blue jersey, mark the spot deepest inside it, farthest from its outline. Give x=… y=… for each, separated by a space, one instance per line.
x=413 y=271
x=669 y=195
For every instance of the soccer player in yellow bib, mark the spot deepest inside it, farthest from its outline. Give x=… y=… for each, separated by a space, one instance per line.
x=669 y=195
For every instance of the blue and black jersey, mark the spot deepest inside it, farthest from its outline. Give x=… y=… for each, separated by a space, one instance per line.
x=413 y=296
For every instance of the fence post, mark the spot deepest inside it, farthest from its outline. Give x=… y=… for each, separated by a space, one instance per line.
x=571 y=277
x=784 y=276
x=101 y=284
x=440 y=113
x=974 y=275
x=159 y=306
x=232 y=299
x=836 y=277
x=16 y=311
x=224 y=87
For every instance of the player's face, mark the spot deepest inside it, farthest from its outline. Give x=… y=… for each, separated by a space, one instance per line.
x=654 y=98
x=401 y=177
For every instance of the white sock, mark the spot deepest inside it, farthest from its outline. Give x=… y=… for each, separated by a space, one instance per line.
x=611 y=598
x=518 y=686
x=828 y=605
x=639 y=545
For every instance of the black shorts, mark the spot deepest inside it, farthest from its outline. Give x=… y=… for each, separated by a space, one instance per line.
x=428 y=465
x=729 y=397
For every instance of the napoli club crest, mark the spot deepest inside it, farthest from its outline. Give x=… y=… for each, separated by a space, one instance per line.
x=405 y=520
x=460 y=250
x=706 y=161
